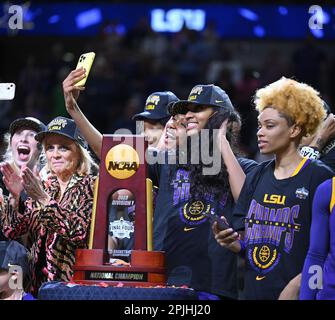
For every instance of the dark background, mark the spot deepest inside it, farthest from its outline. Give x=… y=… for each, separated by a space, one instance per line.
x=130 y=66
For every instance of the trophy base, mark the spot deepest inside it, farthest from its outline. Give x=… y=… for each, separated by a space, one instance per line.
x=147 y=268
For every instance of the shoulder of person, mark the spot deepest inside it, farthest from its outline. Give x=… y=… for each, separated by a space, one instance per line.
x=326 y=185
x=247 y=164
x=259 y=167
x=320 y=166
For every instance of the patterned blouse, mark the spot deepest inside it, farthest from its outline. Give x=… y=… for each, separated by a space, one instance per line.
x=56 y=230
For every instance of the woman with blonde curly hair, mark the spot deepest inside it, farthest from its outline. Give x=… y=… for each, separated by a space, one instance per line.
x=275 y=206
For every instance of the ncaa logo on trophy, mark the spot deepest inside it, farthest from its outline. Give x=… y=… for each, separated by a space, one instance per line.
x=122 y=161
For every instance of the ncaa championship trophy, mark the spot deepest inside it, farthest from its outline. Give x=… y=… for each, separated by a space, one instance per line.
x=120 y=246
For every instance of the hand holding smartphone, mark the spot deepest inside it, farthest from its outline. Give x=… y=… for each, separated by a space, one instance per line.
x=7 y=91
x=85 y=61
x=221 y=223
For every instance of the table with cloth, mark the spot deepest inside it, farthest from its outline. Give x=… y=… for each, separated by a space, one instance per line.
x=55 y=290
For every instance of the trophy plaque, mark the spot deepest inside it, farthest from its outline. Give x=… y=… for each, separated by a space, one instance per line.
x=120 y=246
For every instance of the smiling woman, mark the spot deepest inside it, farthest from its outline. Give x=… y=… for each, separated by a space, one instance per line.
x=22 y=148
x=63 y=156
x=188 y=195
x=57 y=213
x=179 y=219
x=174 y=133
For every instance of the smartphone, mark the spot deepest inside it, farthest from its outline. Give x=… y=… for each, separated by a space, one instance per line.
x=7 y=91
x=221 y=224
x=85 y=61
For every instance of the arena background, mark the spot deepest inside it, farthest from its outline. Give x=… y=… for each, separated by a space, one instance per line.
x=239 y=46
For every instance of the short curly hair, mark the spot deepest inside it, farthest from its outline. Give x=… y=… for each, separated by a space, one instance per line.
x=299 y=101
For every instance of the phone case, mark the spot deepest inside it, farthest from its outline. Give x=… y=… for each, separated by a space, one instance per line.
x=7 y=91
x=85 y=61
x=221 y=224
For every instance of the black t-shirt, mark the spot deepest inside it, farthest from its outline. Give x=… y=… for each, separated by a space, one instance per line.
x=276 y=217
x=182 y=230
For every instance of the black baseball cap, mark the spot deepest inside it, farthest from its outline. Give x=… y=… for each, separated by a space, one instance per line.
x=65 y=127
x=28 y=122
x=156 y=106
x=206 y=95
x=13 y=253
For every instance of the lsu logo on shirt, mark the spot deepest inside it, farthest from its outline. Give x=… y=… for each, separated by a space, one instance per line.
x=274 y=199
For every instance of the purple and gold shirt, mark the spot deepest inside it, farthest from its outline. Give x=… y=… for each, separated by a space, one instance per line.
x=318 y=277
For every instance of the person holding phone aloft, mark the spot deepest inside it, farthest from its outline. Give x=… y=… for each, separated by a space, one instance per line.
x=204 y=267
